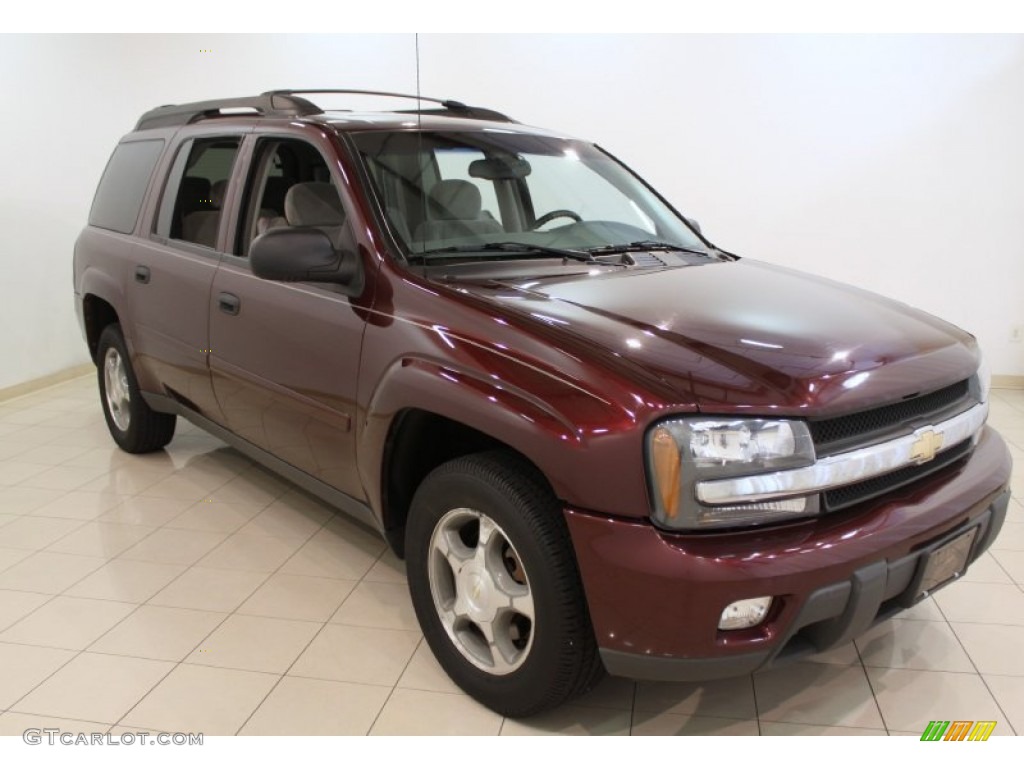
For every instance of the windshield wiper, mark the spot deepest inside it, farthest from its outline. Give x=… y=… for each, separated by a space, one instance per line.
x=643 y=245
x=509 y=247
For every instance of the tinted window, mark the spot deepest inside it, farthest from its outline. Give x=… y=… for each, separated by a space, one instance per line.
x=190 y=209
x=119 y=195
x=289 y=186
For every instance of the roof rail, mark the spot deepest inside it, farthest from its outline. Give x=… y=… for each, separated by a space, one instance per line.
x=447 y=105
x=288 y=103
x=267 y=105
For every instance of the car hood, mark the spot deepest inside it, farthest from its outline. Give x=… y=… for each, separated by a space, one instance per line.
x=730 y=336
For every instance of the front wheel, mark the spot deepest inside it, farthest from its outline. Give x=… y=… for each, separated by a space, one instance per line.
x=135 y=427
x=494 y=582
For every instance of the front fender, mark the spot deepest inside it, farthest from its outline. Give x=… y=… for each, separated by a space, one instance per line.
x=565 y=429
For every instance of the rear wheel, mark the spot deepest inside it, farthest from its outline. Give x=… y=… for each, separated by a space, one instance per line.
x=135 y=427
x=494 y=582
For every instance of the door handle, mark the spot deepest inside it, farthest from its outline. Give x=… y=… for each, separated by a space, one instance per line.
x=141 y=274
x=229 y=303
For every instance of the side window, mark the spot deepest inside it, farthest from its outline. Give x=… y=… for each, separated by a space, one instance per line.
x=289 y=185
x=120 y=192
x=454 y=164
x=190 y=209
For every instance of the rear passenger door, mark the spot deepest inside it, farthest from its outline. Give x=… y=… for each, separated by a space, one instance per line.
x=169 y=289
x=284 y=356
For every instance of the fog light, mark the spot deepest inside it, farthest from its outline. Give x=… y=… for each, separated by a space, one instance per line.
x=745 y=613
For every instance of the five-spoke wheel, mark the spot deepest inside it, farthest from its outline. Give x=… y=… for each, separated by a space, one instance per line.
x=481 y=591
x=115 y=379
x=495 y=586
x=132 y=423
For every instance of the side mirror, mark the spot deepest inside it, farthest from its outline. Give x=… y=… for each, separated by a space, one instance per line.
x=694 y=223
x=302 y=254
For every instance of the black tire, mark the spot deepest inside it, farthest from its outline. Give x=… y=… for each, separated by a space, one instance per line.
x=141 y=429
x=560 y=660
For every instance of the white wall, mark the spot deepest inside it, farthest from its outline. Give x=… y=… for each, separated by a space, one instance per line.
x=68 y=99
x=891 y=162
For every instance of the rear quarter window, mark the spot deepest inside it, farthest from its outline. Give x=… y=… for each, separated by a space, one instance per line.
x=119 y=195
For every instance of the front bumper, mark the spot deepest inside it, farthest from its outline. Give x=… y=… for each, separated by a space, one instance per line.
x=655 y=597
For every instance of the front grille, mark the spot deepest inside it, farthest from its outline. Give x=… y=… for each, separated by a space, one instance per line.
x=856 y=429
x=868 y=489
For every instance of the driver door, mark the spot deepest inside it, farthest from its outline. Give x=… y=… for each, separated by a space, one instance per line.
x=284 y=356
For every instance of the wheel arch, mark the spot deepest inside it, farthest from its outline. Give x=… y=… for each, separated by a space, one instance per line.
x=418 y=442
x=97 y=314
x=101 y=298
x=417 y=420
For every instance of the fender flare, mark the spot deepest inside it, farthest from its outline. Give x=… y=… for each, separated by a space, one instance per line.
x=95 y=282
x=508 y=413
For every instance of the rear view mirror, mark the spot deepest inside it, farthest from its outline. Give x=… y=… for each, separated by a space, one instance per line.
x=694 y=224
x=495 y=168
x=302 y=254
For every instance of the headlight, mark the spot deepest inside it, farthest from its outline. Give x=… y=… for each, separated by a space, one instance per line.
x=683 y=452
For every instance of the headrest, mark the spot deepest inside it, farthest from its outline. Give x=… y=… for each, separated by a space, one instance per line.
x=217 y=191
x=455 y=199
x=313 y=204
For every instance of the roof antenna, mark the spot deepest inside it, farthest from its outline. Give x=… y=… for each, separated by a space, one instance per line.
x=418 y=108
x=419 y=142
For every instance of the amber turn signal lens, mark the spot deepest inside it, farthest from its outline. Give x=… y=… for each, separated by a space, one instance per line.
x=666 y=464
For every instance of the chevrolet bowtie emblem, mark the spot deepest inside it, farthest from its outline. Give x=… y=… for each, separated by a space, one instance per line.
x=926 y=446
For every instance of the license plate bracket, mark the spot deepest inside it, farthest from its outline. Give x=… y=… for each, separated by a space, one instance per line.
x=946 y=563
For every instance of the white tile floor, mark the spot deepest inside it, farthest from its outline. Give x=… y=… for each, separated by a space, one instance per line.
x=190 y=590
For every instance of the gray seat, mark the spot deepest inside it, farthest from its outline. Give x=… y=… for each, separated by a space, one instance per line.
x=269 y=220
x=315 y=204
x=201 y=226
x=456 y=207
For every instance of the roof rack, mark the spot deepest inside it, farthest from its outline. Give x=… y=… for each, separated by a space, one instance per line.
x=288 y=103
x=266 y=105
x=447 y=105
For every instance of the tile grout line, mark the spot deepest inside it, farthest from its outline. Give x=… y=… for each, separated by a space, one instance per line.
x=757 y=709
x=632 y=706
x=181 y=661
x=228 y=614
x=394 y=688
x=999 y=565
x=131 y=613
x=334 y=514
x=315 y=635
x=84 y=650
x=977 y=672
x=305 y=648
x=874 y=696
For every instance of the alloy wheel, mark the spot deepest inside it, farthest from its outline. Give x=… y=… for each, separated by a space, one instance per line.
x=481 y=591
x=115 y=385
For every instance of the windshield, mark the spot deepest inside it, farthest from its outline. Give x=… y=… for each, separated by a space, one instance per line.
x=445 y=192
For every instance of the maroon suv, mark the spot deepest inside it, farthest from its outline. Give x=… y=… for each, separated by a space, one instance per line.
x=599 y=441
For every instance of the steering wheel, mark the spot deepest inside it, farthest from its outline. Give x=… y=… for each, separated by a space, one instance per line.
x=550 y=216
